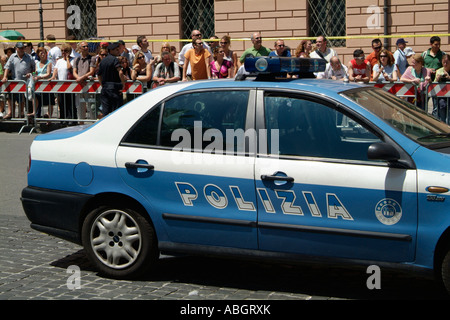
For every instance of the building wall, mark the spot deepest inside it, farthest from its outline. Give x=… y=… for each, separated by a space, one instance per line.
x=160 y=19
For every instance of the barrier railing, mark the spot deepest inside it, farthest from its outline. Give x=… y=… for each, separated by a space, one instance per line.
x=60 y=101
x=15 y=91
x=72 y=102
x=399 y=89
x=439 y=92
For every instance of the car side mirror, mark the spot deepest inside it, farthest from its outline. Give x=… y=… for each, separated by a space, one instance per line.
x=383 y=151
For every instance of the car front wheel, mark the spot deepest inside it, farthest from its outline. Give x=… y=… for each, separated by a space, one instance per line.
x=445 y=270
x=119 y=241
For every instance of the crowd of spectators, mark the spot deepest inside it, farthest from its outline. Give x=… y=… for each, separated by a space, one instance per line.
x=113 y=64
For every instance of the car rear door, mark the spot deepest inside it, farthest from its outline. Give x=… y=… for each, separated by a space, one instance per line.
x=318 y=192
x=198 y=181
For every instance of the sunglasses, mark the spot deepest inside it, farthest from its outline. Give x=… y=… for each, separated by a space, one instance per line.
x=140 y=57
x=223 y=42
x=383 y=56
x=197 y=35
x=376 y=48
x=199 y=44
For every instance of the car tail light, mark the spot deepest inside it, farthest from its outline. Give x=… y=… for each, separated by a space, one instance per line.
x=29 y=162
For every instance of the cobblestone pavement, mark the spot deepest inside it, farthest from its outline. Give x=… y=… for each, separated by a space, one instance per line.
x=34 y=265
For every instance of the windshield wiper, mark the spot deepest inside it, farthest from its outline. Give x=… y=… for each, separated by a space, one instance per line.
x=434 y=136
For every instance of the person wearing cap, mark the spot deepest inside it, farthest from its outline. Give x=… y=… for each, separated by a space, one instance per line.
x=135 y=48
x=20 y=66
x=399 y=55
x=112 y=79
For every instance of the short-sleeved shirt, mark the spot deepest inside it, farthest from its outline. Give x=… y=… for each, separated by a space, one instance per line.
x=327 y=55
x=61 y=67
x=433 y=62
x=263 y=51
x=389 y=69
x=83 y=64
x=20 y=67
x=286 y=53
x=198 y=63
x=108 y=69
x=400 y=60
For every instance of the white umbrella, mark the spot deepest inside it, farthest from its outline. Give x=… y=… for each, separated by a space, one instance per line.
x=5 y=44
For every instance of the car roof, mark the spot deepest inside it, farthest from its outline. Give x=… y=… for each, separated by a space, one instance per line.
x=319 y=86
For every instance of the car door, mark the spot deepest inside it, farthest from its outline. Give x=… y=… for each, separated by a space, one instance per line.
x=187 y=157
x=319 y=194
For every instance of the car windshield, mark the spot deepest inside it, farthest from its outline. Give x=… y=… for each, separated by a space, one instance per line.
x=405 y=117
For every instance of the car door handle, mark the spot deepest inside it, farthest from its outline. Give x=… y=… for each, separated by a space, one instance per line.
x=136 y=165
x=276 y=178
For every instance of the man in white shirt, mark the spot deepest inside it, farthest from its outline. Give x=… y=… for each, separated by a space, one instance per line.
x=400 y=57
x=334 y=70
x=195 y=34
x=322 y=51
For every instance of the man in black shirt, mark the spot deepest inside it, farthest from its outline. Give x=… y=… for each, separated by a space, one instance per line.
x=112 y=79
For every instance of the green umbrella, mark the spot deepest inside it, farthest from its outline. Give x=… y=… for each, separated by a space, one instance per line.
x=11 y=34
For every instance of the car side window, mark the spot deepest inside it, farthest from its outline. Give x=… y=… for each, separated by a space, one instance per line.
x=312 y=129
x=210 y=114
x=145 y=131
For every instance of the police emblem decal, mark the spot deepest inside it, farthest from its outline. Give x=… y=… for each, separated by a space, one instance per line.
x=388 y=211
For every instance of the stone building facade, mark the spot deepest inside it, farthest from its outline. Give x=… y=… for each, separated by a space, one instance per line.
x=415 y=20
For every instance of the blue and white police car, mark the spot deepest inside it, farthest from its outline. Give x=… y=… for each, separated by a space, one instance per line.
x=272 y=167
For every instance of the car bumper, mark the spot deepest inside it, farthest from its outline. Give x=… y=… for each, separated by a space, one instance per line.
x=54 y=212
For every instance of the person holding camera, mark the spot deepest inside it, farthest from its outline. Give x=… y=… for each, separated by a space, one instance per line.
x=443 y=75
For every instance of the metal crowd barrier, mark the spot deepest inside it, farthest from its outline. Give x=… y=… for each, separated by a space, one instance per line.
x=400 y=89
x=65 y=102
x=439 y=92
x=15 y=91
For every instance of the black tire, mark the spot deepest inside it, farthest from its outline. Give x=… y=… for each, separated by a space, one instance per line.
x=119 y=241
x=445 y=270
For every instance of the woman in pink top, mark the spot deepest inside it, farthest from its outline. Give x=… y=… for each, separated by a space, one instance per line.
x=418 y=75
x=220 y=67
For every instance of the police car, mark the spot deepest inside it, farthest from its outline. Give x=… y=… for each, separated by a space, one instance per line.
x=268 y=166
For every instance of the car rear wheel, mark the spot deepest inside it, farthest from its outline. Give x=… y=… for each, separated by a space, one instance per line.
x=119 y=241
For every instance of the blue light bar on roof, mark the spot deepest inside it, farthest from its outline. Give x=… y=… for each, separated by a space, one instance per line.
x=277 y=65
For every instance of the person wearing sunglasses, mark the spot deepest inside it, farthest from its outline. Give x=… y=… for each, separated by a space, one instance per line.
x=385 y=69
x=195 y=34
x=358 y=67
x=225 y=43
x=111 y=77
x=220 y=67
x=377 y=46
x=141 y=70
x=198 y=59
x=63 y=70
x=83 y=69
x=257 y=50
x=281 y=50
